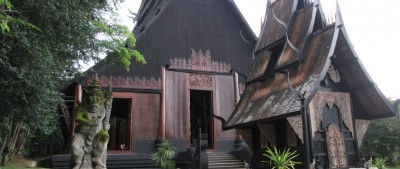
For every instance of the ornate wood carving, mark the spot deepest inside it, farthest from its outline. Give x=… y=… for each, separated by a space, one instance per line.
x=201 y=62
x=128 y=82
x=336 y=147
x=297 y=126
x=361 y=129
x=341 y=100
x=334 y=74
x=200 y=81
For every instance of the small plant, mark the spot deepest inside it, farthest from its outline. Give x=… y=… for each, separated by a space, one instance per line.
x=280 y=160
x=163 y=156
x=380 y=162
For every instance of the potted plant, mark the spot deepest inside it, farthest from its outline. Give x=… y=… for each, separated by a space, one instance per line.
x=280 y=160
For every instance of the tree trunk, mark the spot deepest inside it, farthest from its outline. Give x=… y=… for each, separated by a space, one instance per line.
x=10 y=142
x=3 y=145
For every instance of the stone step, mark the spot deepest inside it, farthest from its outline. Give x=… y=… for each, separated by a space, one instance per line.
x=224 y=161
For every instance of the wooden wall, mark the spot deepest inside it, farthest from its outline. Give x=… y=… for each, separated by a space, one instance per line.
x=145 y=110
x=177 y=101
x=224 y=103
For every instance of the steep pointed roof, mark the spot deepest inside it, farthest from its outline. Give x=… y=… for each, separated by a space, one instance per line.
x=310 y=47
x=168 y=29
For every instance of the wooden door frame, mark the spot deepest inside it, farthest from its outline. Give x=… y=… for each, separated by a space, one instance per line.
x=203 y=82
x=131 y=96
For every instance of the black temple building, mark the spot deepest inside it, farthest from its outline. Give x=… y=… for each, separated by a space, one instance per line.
x=307 y=81
x=194 y=51
x=300 y=85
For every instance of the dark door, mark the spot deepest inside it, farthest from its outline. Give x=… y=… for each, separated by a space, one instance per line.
x=201 y=117
x=120 y=125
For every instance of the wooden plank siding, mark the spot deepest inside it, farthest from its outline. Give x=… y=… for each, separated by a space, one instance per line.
x=144 y=115
x=176 y=104
x=224 y=103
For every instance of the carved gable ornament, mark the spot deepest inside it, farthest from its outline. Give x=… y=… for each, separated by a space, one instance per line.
x=334 y=74
x=340 y=99
x=200 y=62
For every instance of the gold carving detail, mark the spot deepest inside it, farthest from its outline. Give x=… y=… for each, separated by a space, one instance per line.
x=336 y=147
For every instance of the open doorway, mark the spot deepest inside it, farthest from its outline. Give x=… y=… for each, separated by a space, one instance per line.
x=201 y=116
x=120 y=125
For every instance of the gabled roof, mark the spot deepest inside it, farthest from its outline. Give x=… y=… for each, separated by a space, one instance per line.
x=168 y=29
x=268 y=97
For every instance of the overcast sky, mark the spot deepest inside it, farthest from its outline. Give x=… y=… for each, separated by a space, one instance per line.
x=373 y=27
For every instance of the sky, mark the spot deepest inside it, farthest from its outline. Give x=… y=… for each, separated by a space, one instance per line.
x=373 y=28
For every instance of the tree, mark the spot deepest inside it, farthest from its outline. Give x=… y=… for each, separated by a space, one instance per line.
x=41 y=45
x=383 y=139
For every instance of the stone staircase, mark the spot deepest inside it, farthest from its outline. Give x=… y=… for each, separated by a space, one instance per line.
x=224 y=160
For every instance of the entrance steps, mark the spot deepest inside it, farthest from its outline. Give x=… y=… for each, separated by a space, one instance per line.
x=218 y=160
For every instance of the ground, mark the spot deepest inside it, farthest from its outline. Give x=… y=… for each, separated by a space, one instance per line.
x=19 y=163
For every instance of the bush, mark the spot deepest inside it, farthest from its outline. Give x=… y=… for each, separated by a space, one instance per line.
x=163 y=156
x=380 y=162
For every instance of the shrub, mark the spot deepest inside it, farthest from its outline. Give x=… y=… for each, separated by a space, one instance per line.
x=163 y=156
x=280 y=160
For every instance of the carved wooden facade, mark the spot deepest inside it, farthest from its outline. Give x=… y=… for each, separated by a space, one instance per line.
x=299 y=49
x=128 y=82
x=200 y=62
x=332 y=129
x=199 y=73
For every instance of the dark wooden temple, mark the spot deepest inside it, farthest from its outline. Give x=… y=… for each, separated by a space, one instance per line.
x=307 y=81
x=194 y=50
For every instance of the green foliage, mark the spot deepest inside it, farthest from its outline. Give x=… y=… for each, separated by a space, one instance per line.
x=380 y=162
x=5 y=9
x=383 y=139
x=43 y=145
x=41 y=45
x=120 y=42
x=163 y=156
x=280 y=160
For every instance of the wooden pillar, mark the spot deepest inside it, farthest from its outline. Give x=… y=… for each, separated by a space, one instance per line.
x=161 y=124
x=77 y=100
x=237 y=98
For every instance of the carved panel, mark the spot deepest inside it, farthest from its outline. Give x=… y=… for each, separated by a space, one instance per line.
x=361 y=129
x=200 y=81
x=297 y=126
x=336 y=147
x=128 y=82
x=341 y=100
x=201 y=62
